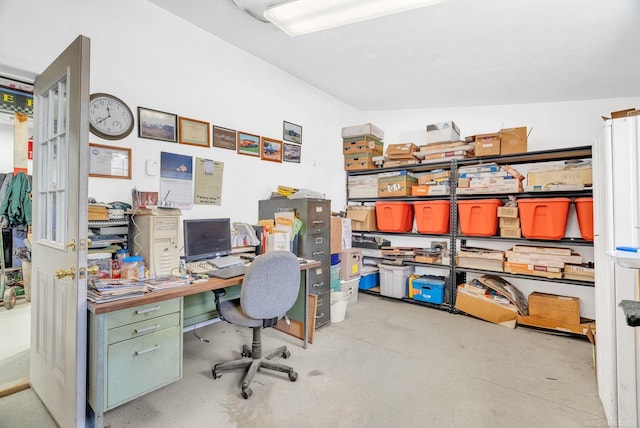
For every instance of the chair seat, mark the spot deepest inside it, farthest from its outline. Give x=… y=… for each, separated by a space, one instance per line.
x=231 y=311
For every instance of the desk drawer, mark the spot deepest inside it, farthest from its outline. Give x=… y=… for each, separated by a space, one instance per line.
x=323 y=310
x=144 y=312
x=141 y=328
x=141 y=365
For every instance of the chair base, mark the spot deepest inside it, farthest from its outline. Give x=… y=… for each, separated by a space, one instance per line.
x=255 y=362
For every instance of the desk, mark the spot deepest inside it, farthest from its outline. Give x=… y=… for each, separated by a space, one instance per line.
x=152 y=323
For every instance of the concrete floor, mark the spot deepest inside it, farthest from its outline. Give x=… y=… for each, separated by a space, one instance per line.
x=389 y=363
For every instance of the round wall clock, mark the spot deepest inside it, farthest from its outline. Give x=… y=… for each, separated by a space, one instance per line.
x=109 y=117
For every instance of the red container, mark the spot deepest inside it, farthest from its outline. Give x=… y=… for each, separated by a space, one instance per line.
x=584 y=209
x=394 y=216
x=543 y=218
x=479 y=217
x=432 y=216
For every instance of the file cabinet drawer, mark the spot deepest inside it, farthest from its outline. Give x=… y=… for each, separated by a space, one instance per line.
x=144 y=312
x=316 y=246
x=319 y=279
x=323 y=310
x=138 y=366
x=141 y=328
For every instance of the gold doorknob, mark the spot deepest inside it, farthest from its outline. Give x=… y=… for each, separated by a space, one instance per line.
x=61 y=273
x=93 y=270
x=72 y=244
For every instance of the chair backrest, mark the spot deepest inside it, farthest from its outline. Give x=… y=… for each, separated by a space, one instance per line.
x=271 y=284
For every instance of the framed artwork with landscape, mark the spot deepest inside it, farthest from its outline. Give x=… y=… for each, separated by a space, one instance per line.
x=248 y=144
x=157 y=125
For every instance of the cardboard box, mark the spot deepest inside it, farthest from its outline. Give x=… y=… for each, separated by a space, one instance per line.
x=340 y=234
x=397 y=183
x=430 y=190
x=485 y=309
x=362 y=186
x=363 y=217
x=487 y=145
x=560 y=175
x=511 y=232
x=366 y=129
x=554 y=307
x=442 y=132
x=513 y=140
x=585 y=327
x=508 y=221
x=362 y=145
x=358 y=161
x=401 y=151
x=509 y=212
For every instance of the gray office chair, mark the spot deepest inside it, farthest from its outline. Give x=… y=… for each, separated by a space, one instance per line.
x=269 y=289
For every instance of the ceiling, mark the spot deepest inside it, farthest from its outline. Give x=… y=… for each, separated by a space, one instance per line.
x=453 y=54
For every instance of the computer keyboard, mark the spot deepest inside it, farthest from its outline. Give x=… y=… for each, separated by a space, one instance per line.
x=225 y=261
x=201 y=266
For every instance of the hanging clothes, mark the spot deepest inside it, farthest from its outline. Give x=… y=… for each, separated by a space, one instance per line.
x=16 y=206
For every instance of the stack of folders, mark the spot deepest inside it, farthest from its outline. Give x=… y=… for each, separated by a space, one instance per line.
x=163 y=282
x=108 y=290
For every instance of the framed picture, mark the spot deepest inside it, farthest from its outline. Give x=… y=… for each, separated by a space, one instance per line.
x=271 y=150
x=248 y=144
x=157 y=125
x=291 y=153
x=109 y=162
x=224 y=138
x=292 y=132
x=193 y=132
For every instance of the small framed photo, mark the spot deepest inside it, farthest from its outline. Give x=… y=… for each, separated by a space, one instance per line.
x=224 y=138
x=271 y=150
x=193 y=132
x=248 y=144
x=291 y=153
x=157 y=125
x=292 y=132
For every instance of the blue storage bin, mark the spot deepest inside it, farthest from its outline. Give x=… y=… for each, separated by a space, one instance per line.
x=369 y=280
x=428 y=289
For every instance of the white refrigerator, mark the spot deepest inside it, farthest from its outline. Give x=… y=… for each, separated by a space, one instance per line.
x=616 y=183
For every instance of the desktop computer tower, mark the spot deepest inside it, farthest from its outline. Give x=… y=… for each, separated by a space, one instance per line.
x=156 y=238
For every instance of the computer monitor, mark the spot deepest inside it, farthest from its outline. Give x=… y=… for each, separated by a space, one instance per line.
x=206 y=238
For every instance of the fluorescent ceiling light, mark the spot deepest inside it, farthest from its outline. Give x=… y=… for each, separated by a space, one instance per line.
x=306 y=16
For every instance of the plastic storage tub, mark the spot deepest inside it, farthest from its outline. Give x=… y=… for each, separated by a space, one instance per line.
x=427 y=289
x=103 y=261
x=584 y=210
x=351 y=287
x=369 y=279
x=543 y=218
x=394 y=279
x=394 y=216
x=432 y=216
x=335 y=277
x=479 y=217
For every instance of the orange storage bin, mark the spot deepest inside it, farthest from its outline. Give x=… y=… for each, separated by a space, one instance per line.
x=432 y=216
x=544 y=218
x=584 y=209
x=479 y=217
x=394 y=216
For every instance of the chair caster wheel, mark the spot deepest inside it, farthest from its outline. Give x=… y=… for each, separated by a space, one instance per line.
x=246 y=393
x=293 y=376
x=246 y=352
x=216 y=374
x=286 y=354
x=245 y=355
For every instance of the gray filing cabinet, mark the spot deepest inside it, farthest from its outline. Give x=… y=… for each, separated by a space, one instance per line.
x=314 y=242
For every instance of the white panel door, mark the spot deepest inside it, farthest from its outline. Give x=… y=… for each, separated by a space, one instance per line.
x=59 y=253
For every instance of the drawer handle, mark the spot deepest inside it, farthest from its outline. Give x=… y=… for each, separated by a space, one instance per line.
x=147 y=311
x=144 y=330
x=318 y=221
x=318 y=284
x=144 y=351
x=320 y=316
x=317 y=253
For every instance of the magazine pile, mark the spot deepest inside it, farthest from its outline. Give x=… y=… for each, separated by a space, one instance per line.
x=110 y=289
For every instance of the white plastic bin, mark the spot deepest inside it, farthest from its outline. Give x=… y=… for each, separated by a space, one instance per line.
x=393 y=280
x=351 y=286
x=339 y=300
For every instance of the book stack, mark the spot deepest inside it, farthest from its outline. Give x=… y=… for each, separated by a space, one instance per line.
x=98 y=212
x=164 y=282
x=509 y=222
x=480 y=258
x=445 y=151
x=108 y=290
x=436 y=182
x=489 y=178
x=548 y=262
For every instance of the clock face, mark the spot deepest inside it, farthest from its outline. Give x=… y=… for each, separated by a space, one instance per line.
x=109 y=117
